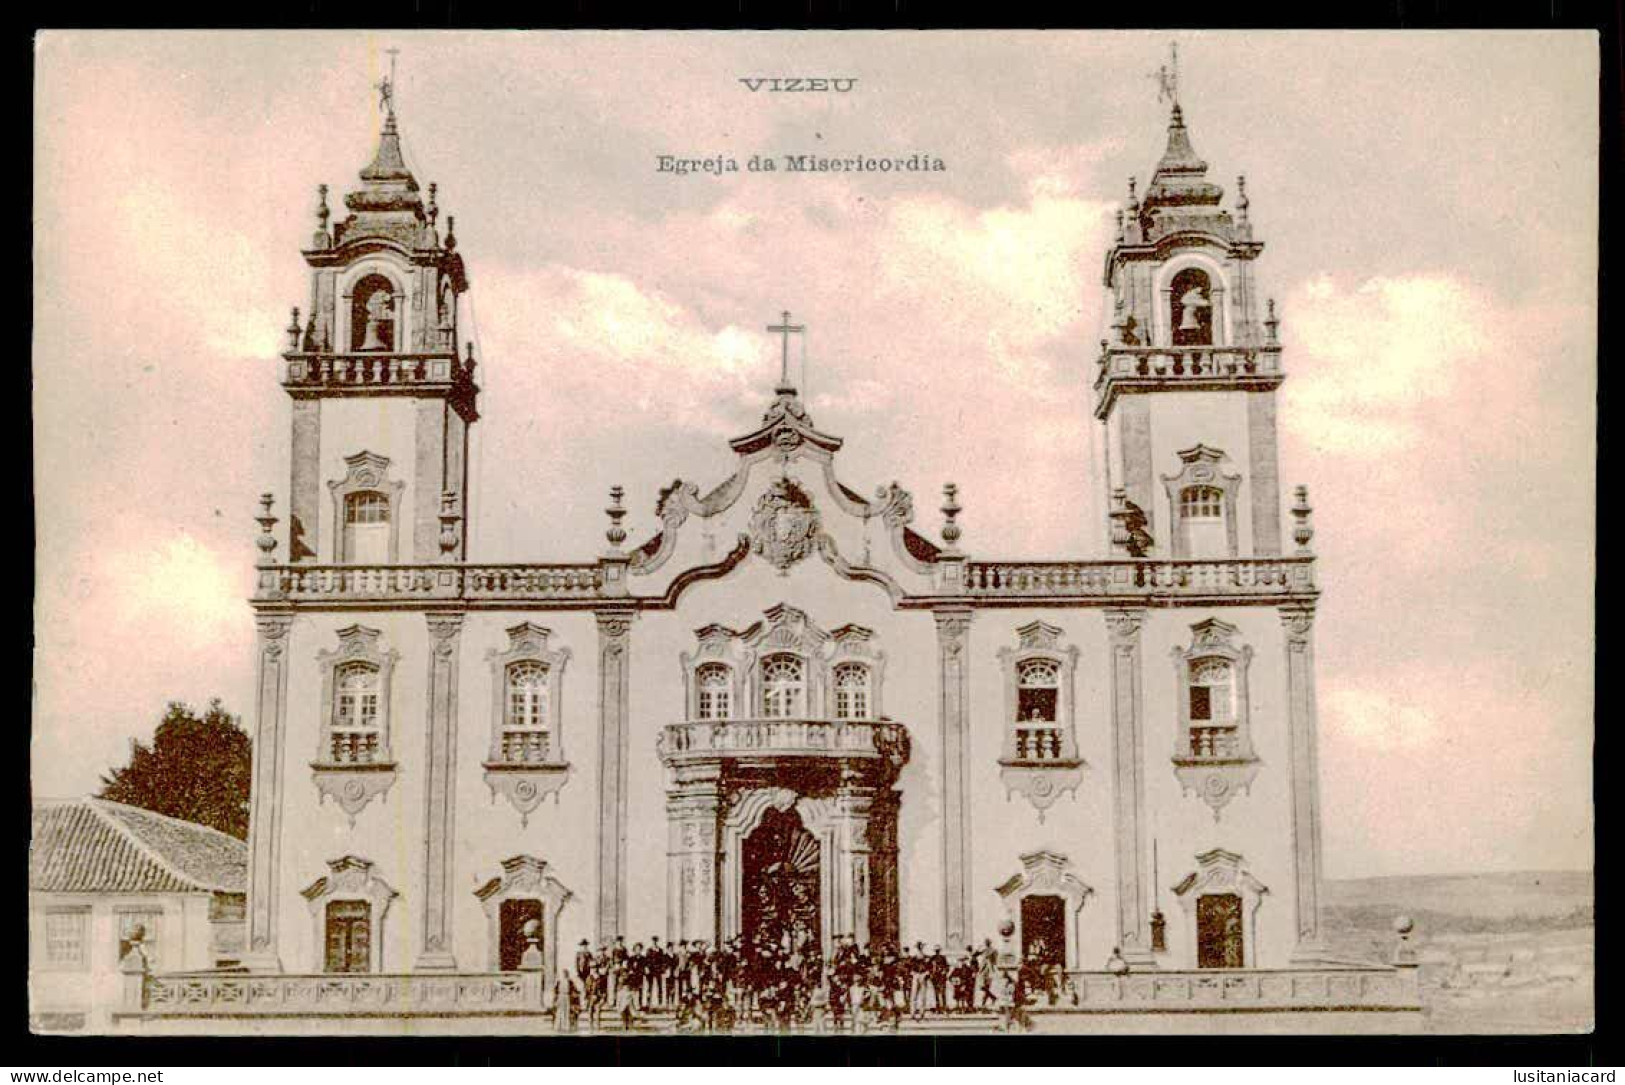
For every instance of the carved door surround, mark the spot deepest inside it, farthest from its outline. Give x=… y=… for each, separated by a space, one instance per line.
x=1221 y=873
x=349 y=879
x=524 y=877
x=1046 y=873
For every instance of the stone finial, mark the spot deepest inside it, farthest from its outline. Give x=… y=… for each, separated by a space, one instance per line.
x=293 y=330
x=1242 y=202
x=1303 y=529
x=616 y=534
x=322 y=213
x=951 y=509
x=1133 y=196
x=267 y=540
x=449 y=517
x=1119 y=224
x=468 y=362
x=433 y=210
x=1404 y=950
x=1272 y=323
x=451 y=231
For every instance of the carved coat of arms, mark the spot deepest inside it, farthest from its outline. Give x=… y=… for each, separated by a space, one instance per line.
x=784 y=526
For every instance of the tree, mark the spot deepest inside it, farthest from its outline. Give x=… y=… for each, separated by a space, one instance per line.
x=196 y=769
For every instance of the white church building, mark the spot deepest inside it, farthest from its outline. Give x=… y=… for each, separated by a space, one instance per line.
x=794 y=707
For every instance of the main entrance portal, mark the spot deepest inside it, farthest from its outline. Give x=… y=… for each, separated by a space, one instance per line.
x=783 y=831
x=781 y=884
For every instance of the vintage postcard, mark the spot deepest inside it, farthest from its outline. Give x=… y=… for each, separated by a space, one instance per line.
x=820 y=533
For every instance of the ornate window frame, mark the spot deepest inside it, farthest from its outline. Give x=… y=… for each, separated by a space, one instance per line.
x=855 y=644
x=522 y=877
x=1041 y=780
x=353 y=784
x=1045 y=873
x=1219 y=871
x=526 y=783
x=1202 y=466
x=1215 y=777
x=366 y=472
x=787 y=631
x=718 y=645
x=349 y=878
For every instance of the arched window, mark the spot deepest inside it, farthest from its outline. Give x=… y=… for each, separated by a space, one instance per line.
x=525 y=726
x=784 y=687
x=372 y=314
x=851 y=691
x=1038 y=686
x=357 y=732
x=1191 y=297
x=1215 y=729
x=715 y=683
x=366 y=527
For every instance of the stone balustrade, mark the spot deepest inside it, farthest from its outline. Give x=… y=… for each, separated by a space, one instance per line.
x=1191 y=362
x=242 y=994
x=1345 y=988
x=783 y=737
x=372 y=370
x=1247 y=578
x=318 y=584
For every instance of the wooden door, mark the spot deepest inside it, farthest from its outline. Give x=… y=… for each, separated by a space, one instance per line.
x=1218 y=931
x=1043 y=929
x=349 y=936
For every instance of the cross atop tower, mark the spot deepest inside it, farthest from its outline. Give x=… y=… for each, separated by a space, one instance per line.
x=786 y=329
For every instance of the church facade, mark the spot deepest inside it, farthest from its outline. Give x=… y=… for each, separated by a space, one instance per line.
x=795 y=711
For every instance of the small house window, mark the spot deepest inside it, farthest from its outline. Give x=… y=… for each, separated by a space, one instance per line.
x=65 y=938
x=357 y=736
x=525 y=729
x=783 y=687
x=715 y=683
x=851 y=691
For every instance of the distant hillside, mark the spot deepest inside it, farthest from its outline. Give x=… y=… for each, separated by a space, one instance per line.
x=1464 y=903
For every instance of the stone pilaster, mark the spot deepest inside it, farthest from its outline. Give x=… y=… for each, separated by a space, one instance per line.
x=440 y=796
x=1264 y=474
x=428 y=478
x=1128 y=789
x=1134 y=435
x=1298 y=625
x=953 y=632
x=693 y=806
x=614 y=667
x=265 y=796
x=304 y=515
x=851 y=883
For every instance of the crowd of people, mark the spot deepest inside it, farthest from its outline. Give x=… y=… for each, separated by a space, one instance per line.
x=791 y=987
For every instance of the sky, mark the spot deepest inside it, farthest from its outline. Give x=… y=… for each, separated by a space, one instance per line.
x=1428 y=203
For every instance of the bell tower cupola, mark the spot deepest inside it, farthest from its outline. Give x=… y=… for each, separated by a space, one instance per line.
x=1186 y=379
x=376 y=376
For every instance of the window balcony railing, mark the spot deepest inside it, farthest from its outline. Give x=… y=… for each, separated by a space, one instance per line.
x=525 y=748
x=784 y=737
x=1039 y=743
x=354 y=748
x=1215 y=742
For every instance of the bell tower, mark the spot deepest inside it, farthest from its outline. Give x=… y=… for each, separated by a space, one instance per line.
x=1187 y=374
x=382 y=402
